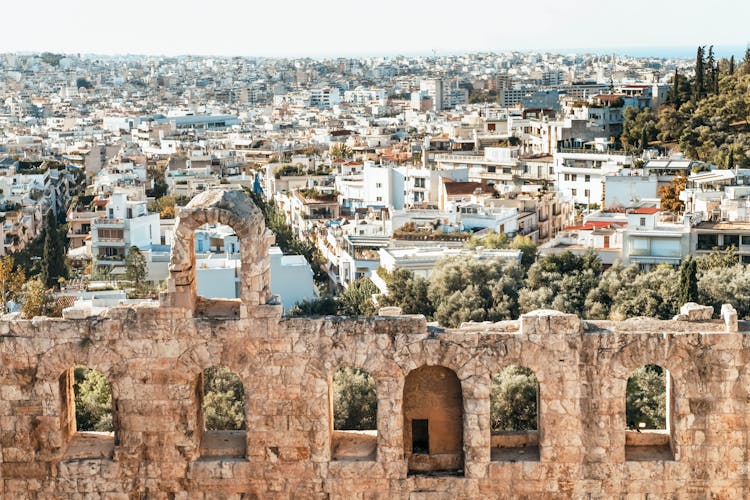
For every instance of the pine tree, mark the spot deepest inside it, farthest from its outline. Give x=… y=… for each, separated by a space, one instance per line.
x=730 y=160
x=700 y=72
x=731 y=65
x=712 y=77
x=746 y=62
x=53 y=261
x=688 y=281
x=136 y=269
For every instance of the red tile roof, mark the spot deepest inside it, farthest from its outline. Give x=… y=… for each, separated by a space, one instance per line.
x=645 y=210
x=465 y=188
x=592 y=225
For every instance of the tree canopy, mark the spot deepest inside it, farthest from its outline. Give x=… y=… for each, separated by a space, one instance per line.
x=355 y=402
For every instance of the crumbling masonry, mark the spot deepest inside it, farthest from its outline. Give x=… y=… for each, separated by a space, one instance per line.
x=432 y=383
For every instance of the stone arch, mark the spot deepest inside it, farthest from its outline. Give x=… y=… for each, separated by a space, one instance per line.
x=227 y=435
x=514 y=414
x=649 y=440
x=433 y=419
x=192 y=364
x=632 y=445
x=56 y=391
x=235 y=209
x=353 y=392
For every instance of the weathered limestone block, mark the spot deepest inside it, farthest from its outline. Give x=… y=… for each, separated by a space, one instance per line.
x=696 y=312
x=729 y=315
x=389 y=311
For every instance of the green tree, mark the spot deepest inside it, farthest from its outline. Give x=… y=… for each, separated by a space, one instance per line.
x=613 y=281
x=688 y=281
x=726 y=284
x=699 y=88
x=223 y=400
x=528 y=249
x=655 y=294
x=638 y=128
x=646 y=398
x=407 y=291
x=718 y=259
x=53 y=260
x=357 y=299
x=319 y=306
x=355 y=402
x=136 y=270
x=37 y=300
x=513 y=400
x=12 y=279
x=93 y=398
x=561 y=281
x=491 y=240
x=466 y=289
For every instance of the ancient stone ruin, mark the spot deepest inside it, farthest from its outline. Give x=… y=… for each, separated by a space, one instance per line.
x=433 y=437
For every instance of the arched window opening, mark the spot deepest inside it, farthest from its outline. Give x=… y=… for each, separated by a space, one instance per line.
x=217 y=262
x=433 y=420
x=222 y=413
x=647 y=414
x=355 y=415
x=88 y=417
x=514 y=417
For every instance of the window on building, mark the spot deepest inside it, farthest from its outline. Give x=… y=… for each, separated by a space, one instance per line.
x=707 y=241
x=222 y=415
x=379 y=198
x=567 y=177
x=354 y=409
x=587 y=178
x=378 y=184
x=573 y=177
x=574 y=192
x=648 y=401
x=87 y=416
x=587 y=192
x=514 y=420
x=491 y=169
x=642 y=221
x=731 y=240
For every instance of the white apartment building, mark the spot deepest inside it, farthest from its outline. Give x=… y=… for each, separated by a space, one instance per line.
x=363 y=96
x=391 y=186
x=325 y=97
x=652 y=238
x=126 y=223
x=580 y=175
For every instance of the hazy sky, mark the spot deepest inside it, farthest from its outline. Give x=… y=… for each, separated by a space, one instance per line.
x=338 y=27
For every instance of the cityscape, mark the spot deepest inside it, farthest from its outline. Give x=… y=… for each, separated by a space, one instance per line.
x=349 y=270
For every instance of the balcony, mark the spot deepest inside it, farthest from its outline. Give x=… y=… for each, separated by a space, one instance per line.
x=110 y=242
x=105 y=222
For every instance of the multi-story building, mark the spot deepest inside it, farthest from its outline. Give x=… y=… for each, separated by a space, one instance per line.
x=124 y=223
x=580 y=174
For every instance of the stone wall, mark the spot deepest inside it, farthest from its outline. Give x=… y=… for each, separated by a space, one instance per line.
x=154 y=356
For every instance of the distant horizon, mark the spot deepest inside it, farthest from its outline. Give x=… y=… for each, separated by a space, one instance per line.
x=339 y=28
x=654 y=51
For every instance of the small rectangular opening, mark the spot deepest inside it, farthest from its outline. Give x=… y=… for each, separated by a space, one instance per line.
x=420 y=436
